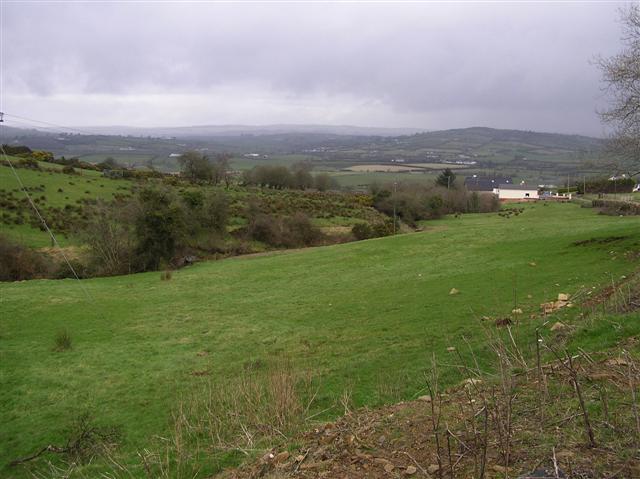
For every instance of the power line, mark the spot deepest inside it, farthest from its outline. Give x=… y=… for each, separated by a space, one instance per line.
x=42 y=220
x=54 y=125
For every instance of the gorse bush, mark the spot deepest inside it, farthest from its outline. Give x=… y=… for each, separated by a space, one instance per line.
x=362 y=231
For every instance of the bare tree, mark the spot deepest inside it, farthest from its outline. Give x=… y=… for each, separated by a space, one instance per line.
x=621 y=78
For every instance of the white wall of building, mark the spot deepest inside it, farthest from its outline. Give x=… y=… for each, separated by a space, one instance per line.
x=507 y=194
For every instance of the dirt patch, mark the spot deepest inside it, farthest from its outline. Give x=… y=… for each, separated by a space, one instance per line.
x=621 y=297
x=336 y=230
x=73 y=253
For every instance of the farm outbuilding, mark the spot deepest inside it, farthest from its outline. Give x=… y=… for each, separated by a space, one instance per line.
x=509 y=192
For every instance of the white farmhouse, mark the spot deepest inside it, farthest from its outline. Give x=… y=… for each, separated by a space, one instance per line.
x=509 y=192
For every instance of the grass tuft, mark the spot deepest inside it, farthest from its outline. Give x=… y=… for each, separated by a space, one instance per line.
x=62 y=341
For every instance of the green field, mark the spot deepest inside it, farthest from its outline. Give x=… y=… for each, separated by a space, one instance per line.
x=347 y=179
x=54 y=189
x=86 y=184
x=359 y=316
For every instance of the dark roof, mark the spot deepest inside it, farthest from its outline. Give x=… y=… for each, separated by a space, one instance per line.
x=485 y=183
x=508 y=186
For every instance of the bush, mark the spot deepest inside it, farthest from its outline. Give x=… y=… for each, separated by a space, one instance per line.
x=298 y=231
x=215 y=214
x=604 y=185
x=362 y=231
x=265 y=228
x=290 y=232
x=383 y=228
x=413 y=202
x=18 y=262
x=109 y=235
x=159 y=227
x=69 y=170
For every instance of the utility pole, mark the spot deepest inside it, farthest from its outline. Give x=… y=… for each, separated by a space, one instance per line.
x=395 y=184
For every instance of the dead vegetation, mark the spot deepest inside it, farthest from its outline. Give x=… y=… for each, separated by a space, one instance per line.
x=575 y=416
x=547 y=413
x=85 y=441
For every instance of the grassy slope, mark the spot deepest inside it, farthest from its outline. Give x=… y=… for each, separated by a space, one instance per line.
x=87 y=184
x=361 y=315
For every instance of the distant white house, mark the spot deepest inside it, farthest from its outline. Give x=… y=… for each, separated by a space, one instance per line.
x=509 y=192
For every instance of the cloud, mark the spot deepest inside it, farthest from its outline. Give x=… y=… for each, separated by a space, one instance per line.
x=423 y=65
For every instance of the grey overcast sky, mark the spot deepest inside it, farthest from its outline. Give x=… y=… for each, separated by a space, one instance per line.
x=425 y=65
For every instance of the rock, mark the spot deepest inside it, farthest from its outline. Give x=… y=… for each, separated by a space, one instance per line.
x=433 y=468
x=451 y=349
x=558 y=326
x=472 y=381
x=389 y=467
x=268 y=457
x=281 y=457
x=547 y=307
x=425 y=398
x=454 y=291
x=563 y=297
x=410 y=470
x=533 y=264
x=516 y=311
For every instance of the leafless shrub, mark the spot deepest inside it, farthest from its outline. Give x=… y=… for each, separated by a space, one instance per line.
x=85 y=441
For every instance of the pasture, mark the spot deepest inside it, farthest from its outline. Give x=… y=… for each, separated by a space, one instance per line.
x=51 y=189
x=362 y=317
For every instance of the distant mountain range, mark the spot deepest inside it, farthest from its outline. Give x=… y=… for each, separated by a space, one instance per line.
x=208 y=131
x=469 y=139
